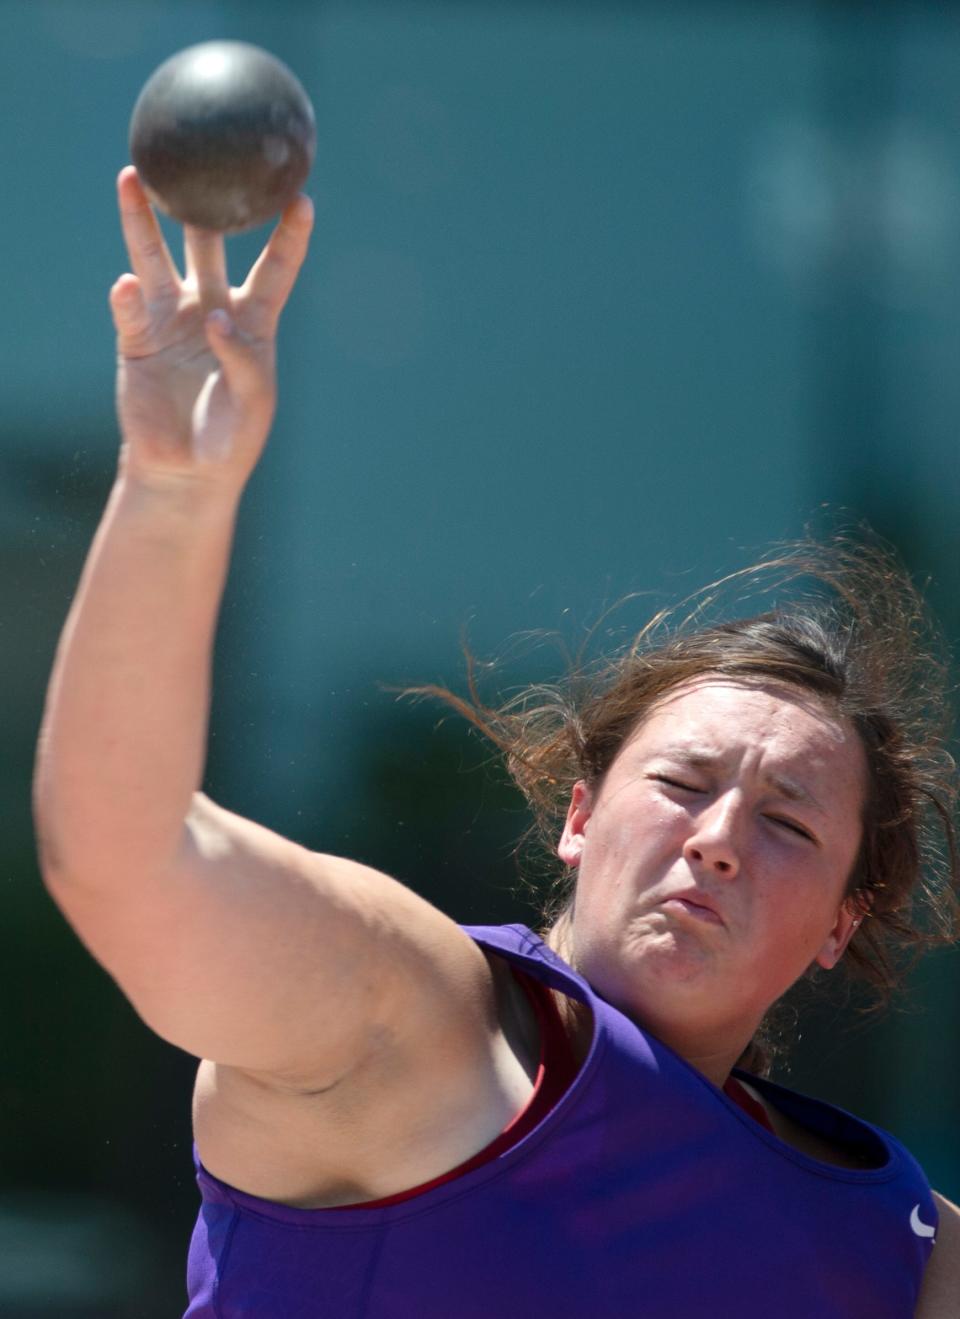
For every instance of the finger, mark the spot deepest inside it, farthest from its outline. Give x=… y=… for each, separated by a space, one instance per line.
x=269 y=284
x=149 y=255
x=238 y=357
x=130 y=316
x=206 y=259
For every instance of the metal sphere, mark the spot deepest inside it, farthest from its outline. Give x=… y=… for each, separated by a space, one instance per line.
x=223 y=136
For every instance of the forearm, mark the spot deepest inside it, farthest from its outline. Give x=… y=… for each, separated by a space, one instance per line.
x=124 y=733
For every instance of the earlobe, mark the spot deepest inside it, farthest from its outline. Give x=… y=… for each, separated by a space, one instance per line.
x=572 y=839
x=845 y=927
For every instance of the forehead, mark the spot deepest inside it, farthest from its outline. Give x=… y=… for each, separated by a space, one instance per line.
x=714 y=719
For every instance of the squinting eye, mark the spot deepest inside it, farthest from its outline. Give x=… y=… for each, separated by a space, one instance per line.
x=674 y=783
x=794 y=828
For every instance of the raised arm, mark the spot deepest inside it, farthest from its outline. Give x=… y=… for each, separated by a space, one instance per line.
x=122 y=745
x=233 y=943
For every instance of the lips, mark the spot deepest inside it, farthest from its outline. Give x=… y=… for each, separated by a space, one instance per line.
x=695 y=904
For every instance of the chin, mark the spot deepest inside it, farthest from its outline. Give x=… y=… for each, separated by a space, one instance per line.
x=653 y=973
x=668 y=953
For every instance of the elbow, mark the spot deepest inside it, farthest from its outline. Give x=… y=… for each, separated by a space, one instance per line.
x=70 y=855
x=58 y=873
x=49 y=857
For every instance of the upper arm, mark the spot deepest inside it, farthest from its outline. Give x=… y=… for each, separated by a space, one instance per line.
x=940 y=1294
x=256 y=953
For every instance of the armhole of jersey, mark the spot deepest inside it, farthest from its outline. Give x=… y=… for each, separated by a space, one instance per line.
x=556 y=1071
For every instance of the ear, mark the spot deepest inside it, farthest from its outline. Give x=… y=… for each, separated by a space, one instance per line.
x=578 y=815
x=844 y=928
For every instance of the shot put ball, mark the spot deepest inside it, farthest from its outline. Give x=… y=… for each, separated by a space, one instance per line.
x=222 y=136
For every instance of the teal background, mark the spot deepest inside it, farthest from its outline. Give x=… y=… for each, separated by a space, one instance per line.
x=603 y=298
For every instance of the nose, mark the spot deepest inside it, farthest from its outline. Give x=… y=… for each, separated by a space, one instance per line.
x=713 y=842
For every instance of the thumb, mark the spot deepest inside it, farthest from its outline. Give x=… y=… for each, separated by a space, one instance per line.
x=239 y=361
x=127 y=304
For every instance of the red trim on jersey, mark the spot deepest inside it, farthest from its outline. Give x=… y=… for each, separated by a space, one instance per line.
x=740 y=1095
x=556 y=1069
x=555 y=1072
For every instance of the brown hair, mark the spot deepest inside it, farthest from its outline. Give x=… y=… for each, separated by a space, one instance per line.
x=861 y=640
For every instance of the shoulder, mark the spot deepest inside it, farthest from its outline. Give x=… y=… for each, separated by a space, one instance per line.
x=940 y=1294
x=434 y=1091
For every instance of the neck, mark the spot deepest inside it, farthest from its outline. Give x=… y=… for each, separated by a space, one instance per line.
x=714 y=1055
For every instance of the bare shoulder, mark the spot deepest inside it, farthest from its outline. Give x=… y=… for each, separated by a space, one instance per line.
x=352 y=1031
x=438 y=1083
x=940 y=1295
x=256 y=952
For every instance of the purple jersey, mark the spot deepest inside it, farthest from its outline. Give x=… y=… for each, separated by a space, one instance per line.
x=645 y=1191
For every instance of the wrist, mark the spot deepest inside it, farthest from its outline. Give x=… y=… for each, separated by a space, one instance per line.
x=176 y=496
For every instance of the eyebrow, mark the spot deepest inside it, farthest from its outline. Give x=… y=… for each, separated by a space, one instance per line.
x=701 y=758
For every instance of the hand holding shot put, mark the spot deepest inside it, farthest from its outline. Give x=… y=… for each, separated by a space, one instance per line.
x=196 y=388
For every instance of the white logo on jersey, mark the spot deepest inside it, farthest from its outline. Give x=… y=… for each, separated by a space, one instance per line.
x=919 y=1226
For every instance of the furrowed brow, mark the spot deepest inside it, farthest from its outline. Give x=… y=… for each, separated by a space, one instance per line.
x=699 y=757
x=794 y=791
x=695 y=756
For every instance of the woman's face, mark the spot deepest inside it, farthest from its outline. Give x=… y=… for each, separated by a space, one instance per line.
x=713 y=859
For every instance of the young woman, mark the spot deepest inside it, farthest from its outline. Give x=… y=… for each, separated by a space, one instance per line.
x=398 y=1116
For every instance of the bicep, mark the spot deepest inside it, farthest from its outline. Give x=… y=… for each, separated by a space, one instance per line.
x=256 y=953
x=940 y=1294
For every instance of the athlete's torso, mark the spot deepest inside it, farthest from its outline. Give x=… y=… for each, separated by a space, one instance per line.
x=645 y=1191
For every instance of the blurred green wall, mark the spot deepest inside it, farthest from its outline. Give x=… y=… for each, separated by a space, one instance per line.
x=603 y=298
